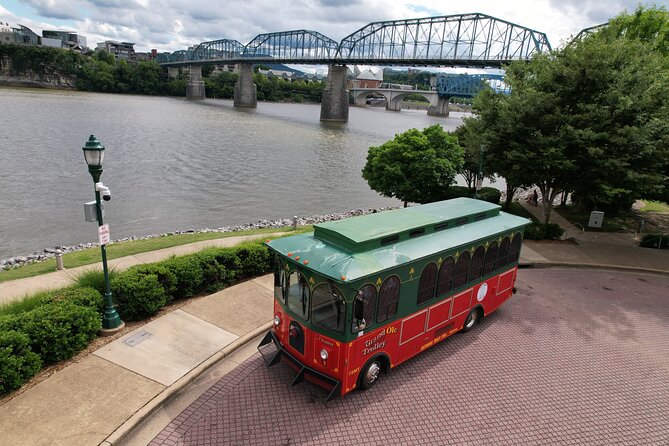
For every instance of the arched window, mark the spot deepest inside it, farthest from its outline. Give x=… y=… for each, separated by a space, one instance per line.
x=490 y=257
x=389 y=294
x=514 y=249
x=502 y=253
x=367 y=297
x=461 y=270
x=297 y=290
x=445 y=276
x=476 y=269
x=328 y=307
x=428 y=281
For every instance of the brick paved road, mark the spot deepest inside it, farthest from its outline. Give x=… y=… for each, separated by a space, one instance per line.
x=576 y=357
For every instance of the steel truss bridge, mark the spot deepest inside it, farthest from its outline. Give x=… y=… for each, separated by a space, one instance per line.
x=470 y=40
x=468 y=85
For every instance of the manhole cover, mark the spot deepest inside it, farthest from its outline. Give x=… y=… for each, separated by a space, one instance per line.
x=137 y=338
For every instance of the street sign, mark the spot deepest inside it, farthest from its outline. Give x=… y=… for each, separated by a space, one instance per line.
x=103 y=234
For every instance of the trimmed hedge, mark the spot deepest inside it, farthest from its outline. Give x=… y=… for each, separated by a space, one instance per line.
x=85 y=297
x=57 y=330
x=17 y=362
x=139 y=293
x=657 y=241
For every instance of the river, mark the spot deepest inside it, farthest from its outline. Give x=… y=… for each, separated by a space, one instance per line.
x=174 y=164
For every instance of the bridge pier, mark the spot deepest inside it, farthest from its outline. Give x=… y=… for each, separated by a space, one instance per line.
x=334 y=103
x=195 y=86
x=246 y=92
x=394 y=103
x=441 y=109
x=172 y=72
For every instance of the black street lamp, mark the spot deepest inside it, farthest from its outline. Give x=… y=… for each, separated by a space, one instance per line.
x=94 y=152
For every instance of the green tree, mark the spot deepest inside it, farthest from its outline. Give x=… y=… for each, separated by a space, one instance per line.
x=471 y=139
x=416 y=166
x=591 y=118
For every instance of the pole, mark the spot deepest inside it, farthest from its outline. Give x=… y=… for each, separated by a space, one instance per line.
x=111 y=321
x=479 y=177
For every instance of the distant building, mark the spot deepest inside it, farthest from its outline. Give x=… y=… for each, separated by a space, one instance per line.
x=6 y=34
x=63 y=39
x=25 y=36
x=120 y=50
x=366 y=79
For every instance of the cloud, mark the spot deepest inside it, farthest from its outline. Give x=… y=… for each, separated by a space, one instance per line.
x=56 y=9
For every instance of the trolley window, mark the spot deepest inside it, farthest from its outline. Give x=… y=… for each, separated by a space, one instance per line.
x=490 y=257
x=446 y=276
x=297 y=294
x=279 y=278
x=514 y=249
x=364 y=305
x=502 y=253
x=389 y=294
x=428 y=281
x=477 y=264
x=461 y=270
x=328 y=308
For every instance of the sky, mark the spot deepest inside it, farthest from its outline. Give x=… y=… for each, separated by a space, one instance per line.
x=170 y=25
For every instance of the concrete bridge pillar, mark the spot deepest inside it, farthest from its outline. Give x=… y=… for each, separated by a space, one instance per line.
x=441 y=109
x=334 y=103
x=246 y=92
x=172 y=72
x=195 y=86
x=394 y=102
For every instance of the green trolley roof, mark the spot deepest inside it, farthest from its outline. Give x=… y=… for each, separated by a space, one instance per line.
x=364 y=245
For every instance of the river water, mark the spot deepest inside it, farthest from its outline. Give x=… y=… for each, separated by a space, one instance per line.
x=174 y=164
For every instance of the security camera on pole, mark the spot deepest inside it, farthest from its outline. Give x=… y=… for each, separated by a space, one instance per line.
x=94 y=154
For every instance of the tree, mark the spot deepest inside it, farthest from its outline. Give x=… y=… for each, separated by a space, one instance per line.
x=471 y=139
x=591 y=118
x=416 y=166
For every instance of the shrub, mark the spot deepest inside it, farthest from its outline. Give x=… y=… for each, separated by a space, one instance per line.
x=540 y=231
x=656 y=241
x=187 y=272
x=17 y=362
x=83 y=296
x=138 y=294
x=59 y=330
x=215 y=276
x=255 y=259
x=489 y=194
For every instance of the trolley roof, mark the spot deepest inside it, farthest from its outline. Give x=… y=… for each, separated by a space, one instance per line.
x=364 y=245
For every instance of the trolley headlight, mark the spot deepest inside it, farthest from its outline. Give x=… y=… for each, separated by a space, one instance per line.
x=277 y=320
x=324 y=354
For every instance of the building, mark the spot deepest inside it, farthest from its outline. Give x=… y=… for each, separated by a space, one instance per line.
x=6 y=34
x=63 y=39
x=25 y=36
x=366 y=79
x=120 y=50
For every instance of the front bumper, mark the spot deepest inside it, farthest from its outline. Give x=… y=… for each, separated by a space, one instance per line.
x=332 y=385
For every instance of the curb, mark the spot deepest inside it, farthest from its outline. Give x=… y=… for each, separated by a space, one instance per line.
x=166 y=394
x=605 y=266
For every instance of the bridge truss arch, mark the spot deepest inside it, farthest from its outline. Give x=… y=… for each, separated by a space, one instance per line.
x=464 y=39
x=219 y=50
x=298 y=46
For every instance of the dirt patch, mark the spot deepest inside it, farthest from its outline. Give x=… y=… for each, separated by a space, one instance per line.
x=653 y=221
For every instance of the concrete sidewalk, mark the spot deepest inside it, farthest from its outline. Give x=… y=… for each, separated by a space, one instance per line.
x=102 y=397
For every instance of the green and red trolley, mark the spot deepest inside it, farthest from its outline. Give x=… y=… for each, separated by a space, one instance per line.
x=360 y=296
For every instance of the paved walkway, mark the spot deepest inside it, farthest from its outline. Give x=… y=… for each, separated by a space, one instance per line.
x=102 y=397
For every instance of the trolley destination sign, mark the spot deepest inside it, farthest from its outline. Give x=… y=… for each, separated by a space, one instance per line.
x=357 y=297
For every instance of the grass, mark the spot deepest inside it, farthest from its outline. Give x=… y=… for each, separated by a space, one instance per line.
x=622 y=222
x=116 y=250
x=655 y=206
x=22 y=305
x=517 y=209
x=95 y=279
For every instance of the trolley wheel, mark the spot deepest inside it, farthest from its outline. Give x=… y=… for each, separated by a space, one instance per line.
x=370 y=373
x=472 y=318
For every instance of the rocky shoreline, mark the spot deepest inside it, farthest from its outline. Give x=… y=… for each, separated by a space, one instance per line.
x=50 y=253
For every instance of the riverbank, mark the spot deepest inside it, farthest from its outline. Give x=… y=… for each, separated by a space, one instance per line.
x=50 y=253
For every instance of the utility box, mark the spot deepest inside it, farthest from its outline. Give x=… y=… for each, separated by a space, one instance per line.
x=90 y=213
x=596 y=218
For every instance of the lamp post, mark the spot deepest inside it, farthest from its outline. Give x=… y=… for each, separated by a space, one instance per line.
x=94 y=153
x=479 y=177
